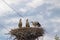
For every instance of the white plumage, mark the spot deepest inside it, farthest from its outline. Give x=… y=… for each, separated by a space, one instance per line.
x=36 y=24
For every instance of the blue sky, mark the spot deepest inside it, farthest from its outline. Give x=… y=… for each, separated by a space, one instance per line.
x=47 y=12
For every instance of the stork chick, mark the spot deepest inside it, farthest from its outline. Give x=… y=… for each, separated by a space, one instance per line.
x=20 y=23
x=27 y=23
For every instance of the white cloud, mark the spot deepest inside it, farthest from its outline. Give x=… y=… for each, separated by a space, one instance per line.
x=56 y=30
x=12 y=1
x=56 y=20
x=35 y=3
x=16 y=2
x=3 y=8
x=48 y=37
x=12 y=20
x=55 y=3
x=23 y=10
x=5 y=30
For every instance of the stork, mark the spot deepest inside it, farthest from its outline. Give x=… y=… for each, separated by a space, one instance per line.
x=20 y=23
x=36 y=24
x=27 y=23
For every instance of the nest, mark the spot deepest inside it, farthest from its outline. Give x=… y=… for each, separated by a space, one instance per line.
x=27 y=33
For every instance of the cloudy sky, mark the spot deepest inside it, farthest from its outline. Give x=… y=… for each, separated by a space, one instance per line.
x=47 y=12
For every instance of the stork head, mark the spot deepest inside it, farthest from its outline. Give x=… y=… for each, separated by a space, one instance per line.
x=20 y=20
x=26 y=19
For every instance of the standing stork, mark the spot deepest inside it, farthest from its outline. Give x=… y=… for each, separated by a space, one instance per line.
x=20 y=23
x=27 y=23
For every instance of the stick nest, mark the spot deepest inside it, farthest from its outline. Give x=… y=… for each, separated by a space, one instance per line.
x=27 y=33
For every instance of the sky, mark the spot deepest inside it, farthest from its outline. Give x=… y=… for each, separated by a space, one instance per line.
x=46 y=12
